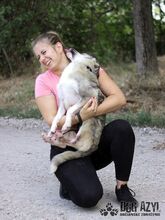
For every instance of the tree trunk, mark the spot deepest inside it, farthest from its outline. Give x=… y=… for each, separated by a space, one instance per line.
x=146 y=56
x=11 y=73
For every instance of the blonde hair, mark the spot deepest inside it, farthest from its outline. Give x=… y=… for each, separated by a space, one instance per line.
x=51 y=36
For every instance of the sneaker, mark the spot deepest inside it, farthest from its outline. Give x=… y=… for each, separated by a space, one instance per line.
x=124 y=195
x=63 y=193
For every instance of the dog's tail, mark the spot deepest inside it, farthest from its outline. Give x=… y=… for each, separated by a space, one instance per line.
x=65 y=156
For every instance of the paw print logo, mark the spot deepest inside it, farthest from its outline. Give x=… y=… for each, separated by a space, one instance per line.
x=103 y=212
x=109 y=206
x=114 y=212
x=109 y=210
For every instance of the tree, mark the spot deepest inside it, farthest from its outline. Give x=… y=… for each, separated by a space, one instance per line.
x=146 y=57
x=103 y=28
x=159 y=25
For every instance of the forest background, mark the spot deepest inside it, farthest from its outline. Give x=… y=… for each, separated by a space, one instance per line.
x=106 y=29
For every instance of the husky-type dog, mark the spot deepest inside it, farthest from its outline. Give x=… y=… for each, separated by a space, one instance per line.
x=78 y=83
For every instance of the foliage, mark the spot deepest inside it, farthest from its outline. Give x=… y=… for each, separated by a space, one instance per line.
x=159 y=24
x=103 y=28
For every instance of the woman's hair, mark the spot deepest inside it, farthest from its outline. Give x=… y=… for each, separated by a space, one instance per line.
x=51 y=36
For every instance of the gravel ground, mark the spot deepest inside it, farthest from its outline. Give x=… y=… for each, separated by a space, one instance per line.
x=29 y=192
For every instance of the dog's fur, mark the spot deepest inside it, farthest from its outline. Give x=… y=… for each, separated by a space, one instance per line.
x=78 y=83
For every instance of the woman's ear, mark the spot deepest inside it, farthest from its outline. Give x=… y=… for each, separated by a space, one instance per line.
x=58 y=46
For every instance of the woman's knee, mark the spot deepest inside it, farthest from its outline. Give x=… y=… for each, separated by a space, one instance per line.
x=121 y=128
x=88 y=198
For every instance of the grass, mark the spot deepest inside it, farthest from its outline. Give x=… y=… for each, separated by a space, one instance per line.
x=18 y=97
x=140 y=119
x=146 y=97
x=17 y=112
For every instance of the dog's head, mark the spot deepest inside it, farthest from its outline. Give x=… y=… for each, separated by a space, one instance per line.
x=85 y=59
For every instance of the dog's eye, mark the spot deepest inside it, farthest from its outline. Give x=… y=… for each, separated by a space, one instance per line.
x=89 y=68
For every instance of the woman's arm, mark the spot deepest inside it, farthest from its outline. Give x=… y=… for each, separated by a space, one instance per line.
x=115 y=98
x=48 y=109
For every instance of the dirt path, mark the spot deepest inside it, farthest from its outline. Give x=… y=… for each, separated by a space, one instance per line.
x=29 y=192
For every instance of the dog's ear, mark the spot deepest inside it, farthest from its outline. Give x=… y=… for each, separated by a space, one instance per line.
x=70 y=53
x=97 y=68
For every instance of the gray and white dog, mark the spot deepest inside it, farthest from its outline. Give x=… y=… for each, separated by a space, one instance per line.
x=78 y=83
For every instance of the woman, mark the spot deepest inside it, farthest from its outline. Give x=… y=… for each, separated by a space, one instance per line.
x=78 y=178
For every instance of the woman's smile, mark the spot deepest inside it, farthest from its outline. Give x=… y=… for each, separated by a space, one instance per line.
x=47 y=62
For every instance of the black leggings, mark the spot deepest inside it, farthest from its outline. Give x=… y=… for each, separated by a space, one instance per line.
x=79 y=176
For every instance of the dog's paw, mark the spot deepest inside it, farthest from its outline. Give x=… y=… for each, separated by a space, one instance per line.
x=53 y=129
x=65 y=128
x=52 y=140
x=51 y=132
x=73 y=141
x=59 y=134
x=46 y=137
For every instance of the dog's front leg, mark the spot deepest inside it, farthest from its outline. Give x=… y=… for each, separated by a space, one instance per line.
x=60 y=113
x=72 y=110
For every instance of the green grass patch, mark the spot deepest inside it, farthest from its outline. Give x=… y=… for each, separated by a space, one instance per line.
x=17 y=112
x=140 y=119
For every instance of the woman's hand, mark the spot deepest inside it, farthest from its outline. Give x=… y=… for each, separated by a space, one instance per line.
x=54 y=139
x=89 y=109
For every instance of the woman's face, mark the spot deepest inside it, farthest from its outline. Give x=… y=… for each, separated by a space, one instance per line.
x=49 y=57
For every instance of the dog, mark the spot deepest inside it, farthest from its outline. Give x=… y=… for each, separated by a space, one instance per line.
x=77 y=84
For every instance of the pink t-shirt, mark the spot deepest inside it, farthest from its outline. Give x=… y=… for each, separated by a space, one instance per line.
x=46 y=84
